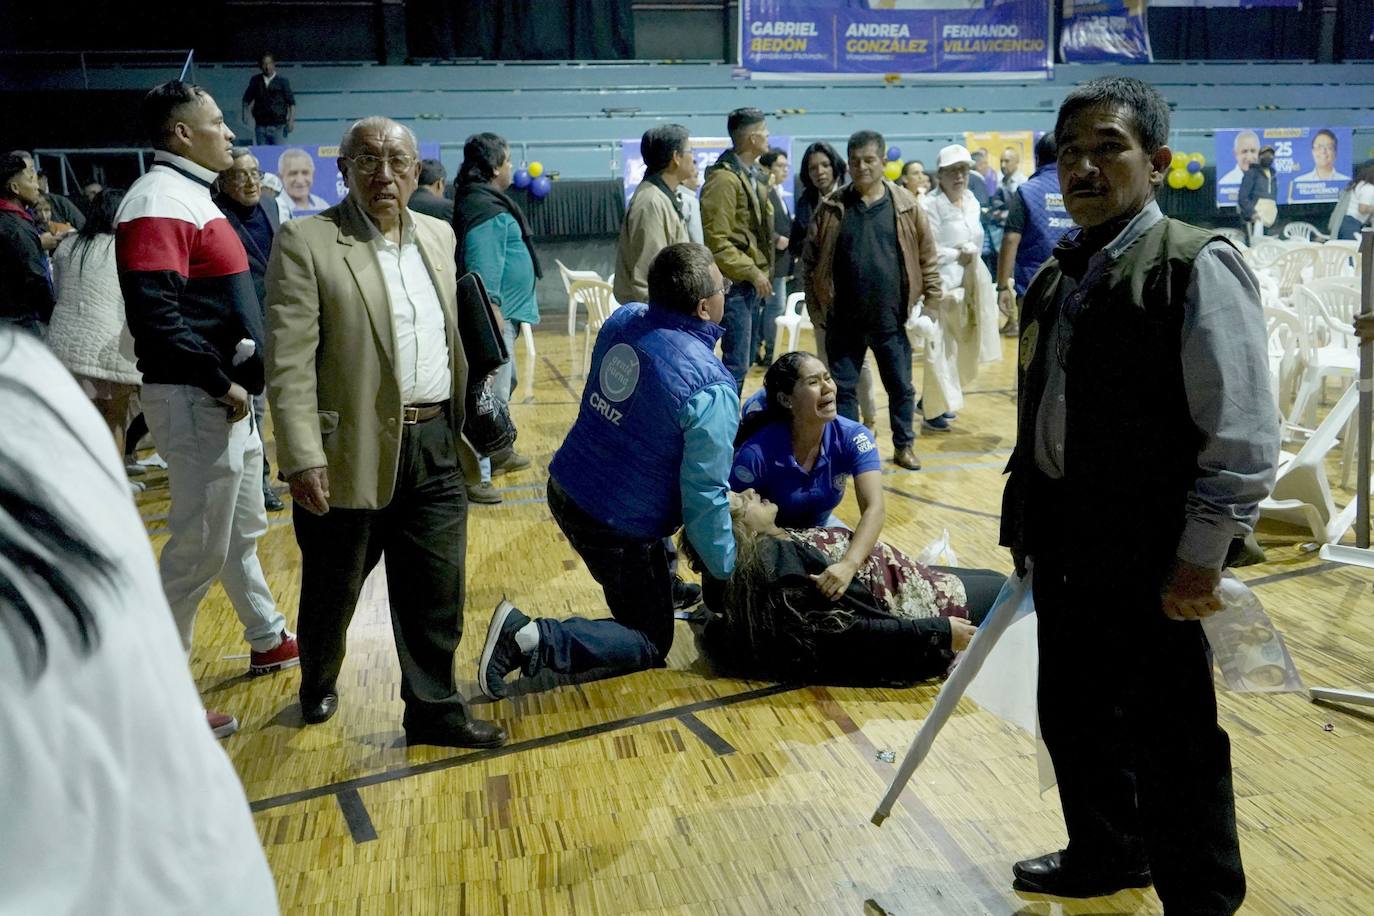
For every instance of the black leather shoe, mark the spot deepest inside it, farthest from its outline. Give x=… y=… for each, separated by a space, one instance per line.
x=322 y=710
x=1047 y=875
x=272 y=501
x=475 y=733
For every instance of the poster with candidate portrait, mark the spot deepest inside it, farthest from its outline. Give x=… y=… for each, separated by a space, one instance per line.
x=705 y=150
x=995 y=144
x=1312 y=164
x=309 y=175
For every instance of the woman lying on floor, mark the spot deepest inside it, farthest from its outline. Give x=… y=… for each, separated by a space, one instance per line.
x=896 y=622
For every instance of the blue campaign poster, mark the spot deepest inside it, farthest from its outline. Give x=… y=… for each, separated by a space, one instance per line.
x=310 y=174
x=968 y=37
x=1312 y=164
x=1104 y=31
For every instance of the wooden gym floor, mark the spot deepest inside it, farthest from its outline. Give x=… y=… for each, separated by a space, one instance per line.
x=676 y=791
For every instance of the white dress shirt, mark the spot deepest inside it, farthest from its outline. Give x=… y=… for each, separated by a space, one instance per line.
x=952 y=227
x=422 y=358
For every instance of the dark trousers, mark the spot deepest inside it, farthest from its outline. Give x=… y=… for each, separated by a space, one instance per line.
x=1129 y=715
x=741 y=302
x=637 y=579
x=844 y=351
x=422 y=534
x=1350 y=228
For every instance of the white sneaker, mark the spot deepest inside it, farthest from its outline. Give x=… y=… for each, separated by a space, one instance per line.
x=153 y=461
x=136 y=487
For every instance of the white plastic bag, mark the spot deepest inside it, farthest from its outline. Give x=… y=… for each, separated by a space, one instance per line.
x=1246 y=645
x=938 y=552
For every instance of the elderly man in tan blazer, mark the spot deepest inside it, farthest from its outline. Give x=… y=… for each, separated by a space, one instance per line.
x=366 y=379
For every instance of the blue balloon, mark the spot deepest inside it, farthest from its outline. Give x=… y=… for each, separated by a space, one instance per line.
x=540 y=187
x=1194 y=167
x=521 y=178
x=894 y=153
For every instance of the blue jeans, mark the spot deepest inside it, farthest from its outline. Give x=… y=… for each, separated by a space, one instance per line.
x=765 y=321
x=741 y=302
x=1350 y=228
x=892 y=353
x=638 y=583
x=270 y=134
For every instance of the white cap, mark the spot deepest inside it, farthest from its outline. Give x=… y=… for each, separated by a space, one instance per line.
x=953 y=155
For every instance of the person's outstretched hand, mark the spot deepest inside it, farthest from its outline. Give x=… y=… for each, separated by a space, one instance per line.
x=1192 y=592
x=836 y=578
x=960 y=633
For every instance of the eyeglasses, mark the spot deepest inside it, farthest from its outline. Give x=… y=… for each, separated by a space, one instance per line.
x=719 y=292
x=371 y=165
x=237 y=175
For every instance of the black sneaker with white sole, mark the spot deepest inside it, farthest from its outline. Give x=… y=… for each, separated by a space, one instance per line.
x=501 y=655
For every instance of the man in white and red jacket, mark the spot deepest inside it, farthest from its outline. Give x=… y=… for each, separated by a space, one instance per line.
x=198 y=335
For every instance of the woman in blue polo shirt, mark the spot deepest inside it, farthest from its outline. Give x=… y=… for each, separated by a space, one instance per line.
x=799 y=454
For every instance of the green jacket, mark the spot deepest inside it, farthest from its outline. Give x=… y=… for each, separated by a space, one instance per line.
x=737 y=220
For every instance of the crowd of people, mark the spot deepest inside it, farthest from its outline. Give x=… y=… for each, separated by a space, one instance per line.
x=1141 y=358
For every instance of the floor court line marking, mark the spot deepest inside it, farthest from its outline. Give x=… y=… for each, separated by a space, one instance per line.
x=356 y=816
x=447 y=763
x=561 y=379
x=935 y=502
x=1290 y=574
x=707 y=734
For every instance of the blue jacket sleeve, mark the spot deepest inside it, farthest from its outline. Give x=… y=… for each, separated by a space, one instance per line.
x=484 y=252
x=709 y=421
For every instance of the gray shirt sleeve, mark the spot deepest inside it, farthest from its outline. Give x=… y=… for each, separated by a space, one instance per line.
x=1226 y=377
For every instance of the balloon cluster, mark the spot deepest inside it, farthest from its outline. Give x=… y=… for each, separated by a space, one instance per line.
x=893 y=170
x=1185 y=171
x=533 y=178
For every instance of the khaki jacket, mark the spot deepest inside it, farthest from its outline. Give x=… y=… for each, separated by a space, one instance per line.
x=737 y=220
x=331 y=370
x=914 y=239
x=651 y=225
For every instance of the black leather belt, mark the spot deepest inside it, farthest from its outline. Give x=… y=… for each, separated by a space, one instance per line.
x=422 y=413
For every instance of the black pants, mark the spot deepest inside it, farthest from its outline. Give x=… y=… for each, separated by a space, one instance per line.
x=844 y=351
x=422 y=534
x=1129 y=715
x=981 y=588
x=636 y=576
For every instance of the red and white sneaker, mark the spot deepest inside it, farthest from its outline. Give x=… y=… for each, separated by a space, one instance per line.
x=221 y=724
x=286 y=655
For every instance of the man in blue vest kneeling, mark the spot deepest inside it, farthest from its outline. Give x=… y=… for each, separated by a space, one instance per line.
x=649 y=452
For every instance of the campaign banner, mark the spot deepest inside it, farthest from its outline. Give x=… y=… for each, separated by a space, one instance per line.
x=705 y=150
x=995 y=143
x=310 y=176
x=1230 y=4
x=1104 y=31
x=934 y=37
x=1312 y=164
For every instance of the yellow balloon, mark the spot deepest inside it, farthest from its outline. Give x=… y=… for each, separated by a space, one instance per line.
x=1196 y=181
x=1180 y=161
x=893 y=170
x=1198 y=158
x=536 y=169
x=1177 y=179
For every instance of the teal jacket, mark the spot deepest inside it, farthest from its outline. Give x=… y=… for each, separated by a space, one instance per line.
x=495 y=251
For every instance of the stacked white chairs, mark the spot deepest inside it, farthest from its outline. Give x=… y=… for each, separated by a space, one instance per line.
x=1235 y=236
x=1292 y=267
x=1336 y=259
x=791 y=321
x=1302 y=493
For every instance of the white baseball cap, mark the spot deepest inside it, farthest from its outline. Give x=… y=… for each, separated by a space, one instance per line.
x=953 y=155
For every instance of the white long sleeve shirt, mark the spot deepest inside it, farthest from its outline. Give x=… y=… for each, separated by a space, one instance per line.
x=953 y=226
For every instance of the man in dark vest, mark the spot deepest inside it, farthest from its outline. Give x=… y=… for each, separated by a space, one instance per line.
x=1146 y=438
x=650 y=452
x=1036 y=221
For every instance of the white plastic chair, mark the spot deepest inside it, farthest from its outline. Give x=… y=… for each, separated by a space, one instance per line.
x=569 y=278
x=1302 y=494
x=1294 y=266
x=1304 y=231
x=527 y=334
x=790 y=323
x=599 y=299
x=1283 y=333
x=1333 y=360
x=1336 y=259
x=1264 y=252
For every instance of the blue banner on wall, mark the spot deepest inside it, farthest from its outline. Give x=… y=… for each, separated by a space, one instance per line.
x=1230 y=4
x=310 y=175
x=705 y=150
x=1312 y=164
x=1098 y=31
x=814 y=36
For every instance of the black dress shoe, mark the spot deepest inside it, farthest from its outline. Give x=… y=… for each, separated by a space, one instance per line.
x=474 y=733
x=1048 y=875
x=272 y=501
x=315 y=711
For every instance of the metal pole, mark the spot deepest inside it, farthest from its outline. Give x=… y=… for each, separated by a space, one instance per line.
x=1366 y=414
